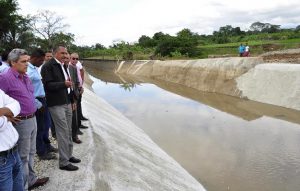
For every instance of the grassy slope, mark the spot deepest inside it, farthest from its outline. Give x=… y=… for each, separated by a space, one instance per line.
x=257 y=47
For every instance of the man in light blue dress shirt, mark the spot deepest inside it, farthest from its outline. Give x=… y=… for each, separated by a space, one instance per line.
x=5 y=66
x=36 y=60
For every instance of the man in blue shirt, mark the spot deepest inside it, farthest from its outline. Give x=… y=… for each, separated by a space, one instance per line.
x=241 y=50
x=4 y=66
x=42 y=145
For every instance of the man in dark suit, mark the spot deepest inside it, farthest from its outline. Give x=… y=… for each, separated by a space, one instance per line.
x=75 y=96
x=58 y=86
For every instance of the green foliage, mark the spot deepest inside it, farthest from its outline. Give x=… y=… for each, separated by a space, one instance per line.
x=46 y=29
x=14 y=28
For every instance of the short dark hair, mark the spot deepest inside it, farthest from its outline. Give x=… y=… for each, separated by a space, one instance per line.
x=37 y=53
x=4 y=55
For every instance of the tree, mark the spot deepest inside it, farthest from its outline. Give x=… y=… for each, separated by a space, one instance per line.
x=166 y=45
x=99 y=46
x=14 y=28
x=187 y=42
x=257 y=26
x=264 y=27
x=146 y=41
x=47 y=25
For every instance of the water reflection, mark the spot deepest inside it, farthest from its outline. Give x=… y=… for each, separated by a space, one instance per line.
x=224 y=142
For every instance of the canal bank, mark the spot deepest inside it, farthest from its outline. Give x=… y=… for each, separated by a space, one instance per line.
x=116 y=156
x=250 y=78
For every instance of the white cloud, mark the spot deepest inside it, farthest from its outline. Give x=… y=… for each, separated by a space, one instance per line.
x=100 y=21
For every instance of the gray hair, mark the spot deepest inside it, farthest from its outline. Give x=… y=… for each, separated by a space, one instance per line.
x=56 y=48
x=15 y=55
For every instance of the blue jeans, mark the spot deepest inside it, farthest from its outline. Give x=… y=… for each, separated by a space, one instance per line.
x=11 y=172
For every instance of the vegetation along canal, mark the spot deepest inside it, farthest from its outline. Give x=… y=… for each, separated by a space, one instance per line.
x=226 y=143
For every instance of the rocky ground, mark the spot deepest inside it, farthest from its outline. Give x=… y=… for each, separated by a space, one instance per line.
x=66 y=180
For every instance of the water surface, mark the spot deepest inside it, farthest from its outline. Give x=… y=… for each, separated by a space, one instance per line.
x=226 y=143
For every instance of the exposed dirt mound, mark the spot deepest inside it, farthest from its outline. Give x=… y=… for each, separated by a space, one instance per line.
x=282 y=56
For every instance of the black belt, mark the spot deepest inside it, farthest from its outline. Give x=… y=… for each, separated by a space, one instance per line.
x=25 y=117
x=5 y=153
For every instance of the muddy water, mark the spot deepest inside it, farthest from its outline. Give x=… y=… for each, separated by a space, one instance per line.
x=224 y=142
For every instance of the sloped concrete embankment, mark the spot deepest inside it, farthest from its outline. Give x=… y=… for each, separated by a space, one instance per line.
x=125 y=158
x=272 y=83
x=276 y=84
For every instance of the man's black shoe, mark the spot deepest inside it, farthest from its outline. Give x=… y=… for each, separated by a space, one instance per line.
x=52 y=149
x=69 y=167
x=79 y=132
x=39 y=182
x=83 y=127
x=74 y=160
x=84 y=118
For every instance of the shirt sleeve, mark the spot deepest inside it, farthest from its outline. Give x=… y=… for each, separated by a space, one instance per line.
x=79 y=65
x=12 y=104
x=38 y=104
x=3 y=123
x=3 y=84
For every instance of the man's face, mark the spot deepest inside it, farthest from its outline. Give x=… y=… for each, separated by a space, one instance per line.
x=67 y=60
x=48 y=56
x=21 y=64
x=61 y=54
x=37 y=61
x=74 y=59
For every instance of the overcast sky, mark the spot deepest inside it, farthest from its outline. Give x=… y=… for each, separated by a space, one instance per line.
x=103 y=21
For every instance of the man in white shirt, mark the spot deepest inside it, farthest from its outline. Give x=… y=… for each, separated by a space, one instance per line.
x=11 y=171
x=75 y=62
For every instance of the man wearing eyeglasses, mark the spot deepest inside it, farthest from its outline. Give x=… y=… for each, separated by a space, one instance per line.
x=75 y=62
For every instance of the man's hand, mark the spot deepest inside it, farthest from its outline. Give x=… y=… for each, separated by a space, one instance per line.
x=81 y=90
x=14 y=120
x=4 y=111
x=74 y=106
x=68 y=83
x=42 y=109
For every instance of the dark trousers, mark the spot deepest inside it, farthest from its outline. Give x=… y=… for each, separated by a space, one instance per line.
x=48 y=124
x=41 y=148
x=79 y=110
x=75 y=124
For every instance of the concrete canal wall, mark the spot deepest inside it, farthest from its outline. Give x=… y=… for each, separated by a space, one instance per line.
x=272 y=83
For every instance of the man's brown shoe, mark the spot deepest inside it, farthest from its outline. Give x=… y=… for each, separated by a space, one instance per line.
x=39 y=182
x=76 y=140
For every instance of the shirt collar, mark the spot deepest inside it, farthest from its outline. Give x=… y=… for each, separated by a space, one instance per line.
x=17 y=74
x=5 y=63
x=58 y=61
x=31 y=65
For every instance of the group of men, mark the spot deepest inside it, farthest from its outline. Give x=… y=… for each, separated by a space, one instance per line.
x=38 y=92
x=244 y=50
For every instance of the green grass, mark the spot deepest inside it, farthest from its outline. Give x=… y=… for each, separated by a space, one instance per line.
x=257 y=47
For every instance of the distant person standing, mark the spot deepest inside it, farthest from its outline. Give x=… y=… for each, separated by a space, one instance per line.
x=247 y=50
x=241 y=50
